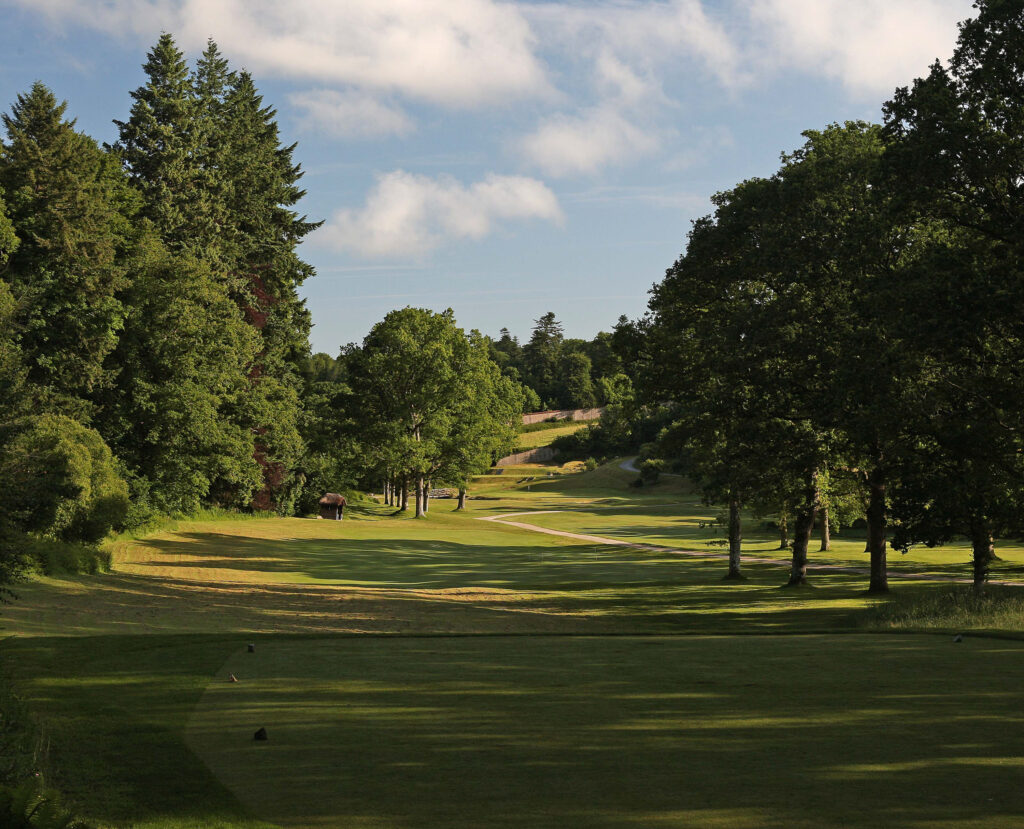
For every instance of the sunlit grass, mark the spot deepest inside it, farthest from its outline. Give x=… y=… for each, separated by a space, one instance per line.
x=937 y=607
x=544 y=437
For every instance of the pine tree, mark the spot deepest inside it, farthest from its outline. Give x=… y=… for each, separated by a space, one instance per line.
x=264 y=234
x=217 y=185
x=64 y=197
x=158 y=146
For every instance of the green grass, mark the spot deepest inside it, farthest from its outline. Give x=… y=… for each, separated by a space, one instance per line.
x=870 y=731
x=544 y=437
x=457 y=672
x=959 y=609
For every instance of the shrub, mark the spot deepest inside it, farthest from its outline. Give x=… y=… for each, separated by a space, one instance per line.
x=590 y=465
x=61 y=479
x=651 y=469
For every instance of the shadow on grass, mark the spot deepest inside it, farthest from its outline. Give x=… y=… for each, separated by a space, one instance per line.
x=113 y=710
x=870 y=731
x=638 y=587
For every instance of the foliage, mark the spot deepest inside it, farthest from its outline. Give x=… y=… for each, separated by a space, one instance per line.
x=958 y=148
x=64 y=198
x=219 y=189
x=29 y=806
x=61 y=479
x=170 y=418
x=651 y=469
x=431 y=403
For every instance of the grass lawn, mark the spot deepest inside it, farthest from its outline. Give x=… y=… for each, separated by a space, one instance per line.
x=459 y=672
x=544 y=437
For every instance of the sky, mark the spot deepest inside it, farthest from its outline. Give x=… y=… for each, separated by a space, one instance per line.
x=503 y=159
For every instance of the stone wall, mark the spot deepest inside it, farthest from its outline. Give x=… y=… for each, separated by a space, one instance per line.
x=563 y=414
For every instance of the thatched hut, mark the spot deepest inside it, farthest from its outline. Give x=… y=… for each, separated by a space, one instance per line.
x=332 y=506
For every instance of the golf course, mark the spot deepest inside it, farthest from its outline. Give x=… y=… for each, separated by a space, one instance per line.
x=563 y=653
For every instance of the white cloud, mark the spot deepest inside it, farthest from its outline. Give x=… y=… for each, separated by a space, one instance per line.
x=407 y=215
x=871 y=46
x=450 y=52
x=567 y=145
x=349 y=114
x=640 y=38
x=627 y=50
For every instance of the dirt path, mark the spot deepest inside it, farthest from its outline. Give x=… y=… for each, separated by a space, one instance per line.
x=629 y=465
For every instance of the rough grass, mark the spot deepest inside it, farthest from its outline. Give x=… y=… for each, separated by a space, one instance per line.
x=952 y=610
x=595 y=696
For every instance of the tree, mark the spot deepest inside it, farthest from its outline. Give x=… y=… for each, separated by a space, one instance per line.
x=205 y=154
x=958 y=149
x=64 y=199
x=265 y=233
x=159 y=147
x=541 y=355
x=432 y=404
x=184 y=357
x=485 y=424
x=725 y=345
x=574 y=370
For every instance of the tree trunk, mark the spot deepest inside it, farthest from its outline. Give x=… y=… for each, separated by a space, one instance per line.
x=803 y=526
x=387 y=492
x=426 y=497
x=405 y=494
x=462 y=498
x=826 y=532
x=418 y=485
x=783 y=530
x=984 y=552
x=877 y=514
x=735 y=538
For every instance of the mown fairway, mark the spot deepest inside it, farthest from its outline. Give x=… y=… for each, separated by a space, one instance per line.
x=459 y=672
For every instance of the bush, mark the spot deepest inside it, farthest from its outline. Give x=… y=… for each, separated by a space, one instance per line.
x=651 y=469
x=590 y=465
x=60 y=479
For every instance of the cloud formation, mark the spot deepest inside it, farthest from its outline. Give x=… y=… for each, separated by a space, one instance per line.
x=408 y=215
x=871 y=46
x=567 y=145
x=350 y=114
x=459 y=53
x=588 y=85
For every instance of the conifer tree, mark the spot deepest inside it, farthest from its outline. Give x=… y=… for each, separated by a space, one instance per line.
x=158 y=146
x=217 y=185
x=264 y=234
x=64 y=197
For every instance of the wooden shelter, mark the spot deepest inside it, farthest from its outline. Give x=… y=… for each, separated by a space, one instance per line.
x=332 y=506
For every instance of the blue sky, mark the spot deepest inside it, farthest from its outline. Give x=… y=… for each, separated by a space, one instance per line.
x=503 y=159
